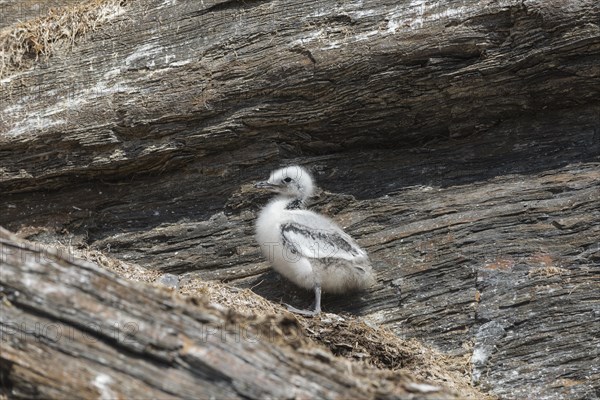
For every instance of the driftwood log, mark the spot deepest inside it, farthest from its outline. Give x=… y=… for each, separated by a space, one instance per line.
x=72 y=330
x=458 y=142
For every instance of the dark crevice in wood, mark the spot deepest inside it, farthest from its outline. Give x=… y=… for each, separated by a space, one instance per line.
x=228 y=5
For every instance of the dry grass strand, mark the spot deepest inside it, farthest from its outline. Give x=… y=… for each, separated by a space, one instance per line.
x=24 y=43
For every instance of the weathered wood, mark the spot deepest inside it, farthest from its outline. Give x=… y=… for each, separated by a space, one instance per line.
x=73 y=330
x=165 y=83
x=12 y=11
x=459 y=143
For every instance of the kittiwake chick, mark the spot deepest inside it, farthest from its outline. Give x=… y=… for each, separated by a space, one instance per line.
x=305 y=247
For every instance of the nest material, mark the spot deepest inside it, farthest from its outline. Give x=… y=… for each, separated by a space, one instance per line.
x=26 y=42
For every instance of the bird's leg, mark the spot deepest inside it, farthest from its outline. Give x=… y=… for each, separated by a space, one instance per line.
x=317 y=305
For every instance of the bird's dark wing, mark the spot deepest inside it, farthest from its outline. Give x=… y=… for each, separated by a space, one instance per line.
x=312 y=242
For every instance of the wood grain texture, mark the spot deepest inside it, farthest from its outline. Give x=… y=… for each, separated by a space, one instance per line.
x=168 y=83
x=72 y=330
x=458 y=142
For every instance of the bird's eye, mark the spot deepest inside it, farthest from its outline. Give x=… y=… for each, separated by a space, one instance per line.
x=287 y=180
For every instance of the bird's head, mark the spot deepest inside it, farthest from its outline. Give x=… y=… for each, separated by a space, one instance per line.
x=293 y=181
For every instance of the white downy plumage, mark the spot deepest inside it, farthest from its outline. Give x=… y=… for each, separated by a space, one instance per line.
x=305 y=247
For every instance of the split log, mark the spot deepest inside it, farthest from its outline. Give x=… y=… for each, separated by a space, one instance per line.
x=73 y=330
x=462 y=140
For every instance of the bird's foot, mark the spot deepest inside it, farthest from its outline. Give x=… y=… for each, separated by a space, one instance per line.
x=306 y=313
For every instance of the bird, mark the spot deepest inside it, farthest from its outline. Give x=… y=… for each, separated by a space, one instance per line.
x=308 y=248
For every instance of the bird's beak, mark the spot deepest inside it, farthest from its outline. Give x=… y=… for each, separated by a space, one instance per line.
x=265 y=185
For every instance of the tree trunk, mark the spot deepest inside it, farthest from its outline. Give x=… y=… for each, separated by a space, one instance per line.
x=459 y=143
